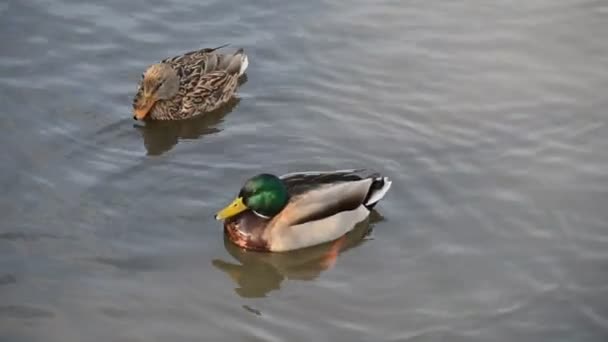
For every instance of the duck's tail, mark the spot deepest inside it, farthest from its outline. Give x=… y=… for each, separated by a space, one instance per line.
x=377 y=190
x=238 y=62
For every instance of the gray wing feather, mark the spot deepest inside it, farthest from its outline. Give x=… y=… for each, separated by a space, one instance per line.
x=318 y=195
x=298 y=183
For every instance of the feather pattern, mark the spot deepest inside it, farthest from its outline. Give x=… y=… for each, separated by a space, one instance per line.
x=207 y=80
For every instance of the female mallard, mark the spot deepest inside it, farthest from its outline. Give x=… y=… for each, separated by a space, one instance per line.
x=299 y=210
x=184 y=86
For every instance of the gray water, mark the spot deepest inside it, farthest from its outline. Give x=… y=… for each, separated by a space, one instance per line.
x=489 y=116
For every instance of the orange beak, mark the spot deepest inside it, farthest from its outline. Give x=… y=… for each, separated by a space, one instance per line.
x=144 y=107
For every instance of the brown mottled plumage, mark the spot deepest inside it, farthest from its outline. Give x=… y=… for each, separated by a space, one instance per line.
x=187 y=85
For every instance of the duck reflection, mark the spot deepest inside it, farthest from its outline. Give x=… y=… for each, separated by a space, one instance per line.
x=161 y=136
x=259 y=273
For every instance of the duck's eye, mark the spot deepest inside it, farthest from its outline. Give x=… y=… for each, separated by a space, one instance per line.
x=158 y=85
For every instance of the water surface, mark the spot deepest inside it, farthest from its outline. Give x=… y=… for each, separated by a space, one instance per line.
x=490 y=117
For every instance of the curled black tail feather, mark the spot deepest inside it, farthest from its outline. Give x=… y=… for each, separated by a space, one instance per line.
x=377 y=190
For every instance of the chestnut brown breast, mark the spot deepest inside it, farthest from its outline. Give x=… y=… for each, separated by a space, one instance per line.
x=246 y=230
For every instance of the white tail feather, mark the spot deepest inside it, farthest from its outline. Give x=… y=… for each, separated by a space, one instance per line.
x=379 y=194
x=244 y=64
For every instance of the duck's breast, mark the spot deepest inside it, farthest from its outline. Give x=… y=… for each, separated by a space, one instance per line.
x=247 y=231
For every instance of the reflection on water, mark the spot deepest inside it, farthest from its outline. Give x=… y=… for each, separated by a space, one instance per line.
x=161 y=136
x=259 y=273
x=24 y=312
x=7 y=279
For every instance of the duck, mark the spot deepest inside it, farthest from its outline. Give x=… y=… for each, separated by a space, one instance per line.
x=188 y=85
x=301 y=209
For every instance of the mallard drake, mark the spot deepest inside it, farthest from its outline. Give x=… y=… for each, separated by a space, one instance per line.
x=303 y=209
x=183 y=86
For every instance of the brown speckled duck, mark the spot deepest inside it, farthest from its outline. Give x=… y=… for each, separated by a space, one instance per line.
x=187 y=85
x=298 y=210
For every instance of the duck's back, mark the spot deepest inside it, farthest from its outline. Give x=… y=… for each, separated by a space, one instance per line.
x=208 y=79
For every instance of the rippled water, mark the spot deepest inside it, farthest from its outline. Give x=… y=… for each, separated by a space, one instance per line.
x=490 y=117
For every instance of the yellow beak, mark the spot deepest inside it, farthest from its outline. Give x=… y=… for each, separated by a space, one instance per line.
x=144 y=108
x=236 y=207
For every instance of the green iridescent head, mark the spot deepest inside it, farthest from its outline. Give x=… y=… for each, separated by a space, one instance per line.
x=264 y=194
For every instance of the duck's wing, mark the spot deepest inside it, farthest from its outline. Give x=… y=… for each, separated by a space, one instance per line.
x=207 y=93
x=208 y=60
x=301 y=182
x=318 y=195
x=323 y=206
x=211 y=82
x=195 y=57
